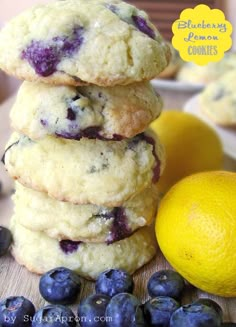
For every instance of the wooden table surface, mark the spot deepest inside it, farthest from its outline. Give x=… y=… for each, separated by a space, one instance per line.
x=16 y=280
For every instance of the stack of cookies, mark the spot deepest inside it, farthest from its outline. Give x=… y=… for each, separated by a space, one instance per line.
x=85 y=167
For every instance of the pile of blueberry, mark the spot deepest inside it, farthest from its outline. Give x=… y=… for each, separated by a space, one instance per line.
x=113 y=305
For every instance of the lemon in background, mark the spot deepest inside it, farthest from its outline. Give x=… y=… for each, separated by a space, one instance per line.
x=196 y=230
x=191 y=146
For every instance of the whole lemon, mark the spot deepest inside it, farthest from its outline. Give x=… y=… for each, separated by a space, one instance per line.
x=196 y=230
x=191 y=146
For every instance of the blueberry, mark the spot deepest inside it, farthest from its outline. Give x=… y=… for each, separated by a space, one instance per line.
x=212 y=304
x=68 y=246
x=91 y=311
x=114 y=281
x=195 y=315
x=54 y=316
x=92 y=132
x=71 y=115
x=120 y=228
x=5 y=240
x=143 y=27
x=159 y=310
x=139 y=22
x=124 y=310
x=16 y=311
x=45 y=56
x=72 y=44
x=166 y=283
x=60 y=286
x=89 y=132
x=44 y=122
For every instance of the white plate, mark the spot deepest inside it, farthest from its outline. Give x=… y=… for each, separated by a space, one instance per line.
x=227 y=136
x=173 y=85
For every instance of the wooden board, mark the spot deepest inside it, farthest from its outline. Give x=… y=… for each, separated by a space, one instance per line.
x=16 y=280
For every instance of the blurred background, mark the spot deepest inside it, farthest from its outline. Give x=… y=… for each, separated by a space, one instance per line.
x=162 y=12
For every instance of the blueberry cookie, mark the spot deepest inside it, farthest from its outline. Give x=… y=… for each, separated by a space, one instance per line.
x=86 y=171
x=193 y=73
x=75 y=42
x=89 y=223
x=218 y=100
x=40 y=253
x=86 y=111
x=174 y=65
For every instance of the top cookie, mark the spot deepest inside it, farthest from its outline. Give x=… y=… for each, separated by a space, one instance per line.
x=75 y=42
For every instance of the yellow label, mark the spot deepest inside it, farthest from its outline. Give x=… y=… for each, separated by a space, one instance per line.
x=202 y=35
